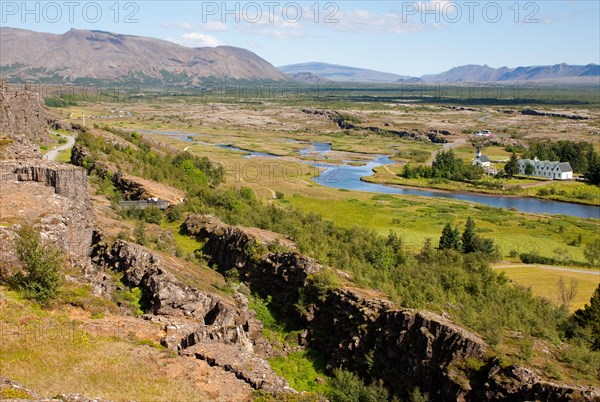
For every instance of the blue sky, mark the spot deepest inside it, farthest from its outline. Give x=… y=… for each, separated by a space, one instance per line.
x=403 y=37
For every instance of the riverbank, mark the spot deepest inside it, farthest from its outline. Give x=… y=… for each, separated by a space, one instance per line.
x=568 y=192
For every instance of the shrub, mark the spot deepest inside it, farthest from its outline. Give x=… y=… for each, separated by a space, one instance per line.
x=322 y=282
x=534 y=258
x=130 y=299
x=319 y=284
x=347 y=386
x=152 y=215
x=174 y=213
x=42 y=263
x=139 y=232
x=586 y=321
x=592 y=252
x=247 y=194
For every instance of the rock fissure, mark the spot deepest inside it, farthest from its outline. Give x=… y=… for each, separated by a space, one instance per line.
x=199 y=324
x=405 y=348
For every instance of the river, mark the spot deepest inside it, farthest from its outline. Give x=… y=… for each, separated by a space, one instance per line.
x=348 y=177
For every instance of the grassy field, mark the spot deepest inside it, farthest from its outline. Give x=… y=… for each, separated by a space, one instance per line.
x=544 y=282
x=418 y=218
x=51 y=352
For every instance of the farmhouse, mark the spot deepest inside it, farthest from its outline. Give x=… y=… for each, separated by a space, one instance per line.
x=547 y=169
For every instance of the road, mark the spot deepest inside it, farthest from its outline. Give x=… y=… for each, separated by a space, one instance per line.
x=551 y=267
x=53 y=153
x=484 y=118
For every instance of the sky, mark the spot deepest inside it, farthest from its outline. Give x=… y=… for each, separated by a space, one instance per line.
x=403 y=37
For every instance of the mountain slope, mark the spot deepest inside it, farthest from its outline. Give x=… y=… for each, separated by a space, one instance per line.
x=476 y=73
x=559 y=73
x=336 y=72
x=82 y=54
x=309 y=78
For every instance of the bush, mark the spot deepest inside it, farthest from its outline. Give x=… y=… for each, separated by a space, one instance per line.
x=348 y=387
x=322 y=282
x=153 y=215
x=139 y=232
x=42 y=263
x=533 y=258
x=130 y=299
x=319 y=284
x=586 y=322
x=174 y=213
x=247 y=194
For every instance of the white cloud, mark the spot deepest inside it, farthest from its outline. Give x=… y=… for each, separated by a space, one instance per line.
x=278 y=34
x=364 y=21
x=196 y=39
x=211 y=26
x=214 y=26
x=183 y=26
x=271 y=24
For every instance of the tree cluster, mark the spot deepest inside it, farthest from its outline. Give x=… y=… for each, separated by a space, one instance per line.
x=585 y=322
x=445 y=166
x=468 y=242
x=582 y=156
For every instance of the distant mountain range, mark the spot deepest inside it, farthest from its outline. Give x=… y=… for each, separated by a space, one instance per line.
x=336 y=72
x=97 y=55
x=470 y=73
x=83 y=56
x=477 y=73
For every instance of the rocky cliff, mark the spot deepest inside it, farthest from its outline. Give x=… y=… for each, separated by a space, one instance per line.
x=51 y=196
x=278 y=274
x=531 y=112
x=404 y=348
x=219 y=330
x=131 y=189
x=23 y=123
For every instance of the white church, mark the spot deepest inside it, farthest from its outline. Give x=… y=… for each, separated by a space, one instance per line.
x=547 y=169
x=481 y=160
x=484 y=162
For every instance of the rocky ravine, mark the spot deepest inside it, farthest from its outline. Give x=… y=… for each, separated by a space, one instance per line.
x=221 y=331
x=405 y=348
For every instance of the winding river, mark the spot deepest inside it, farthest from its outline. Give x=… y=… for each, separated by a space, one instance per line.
x=348 y=177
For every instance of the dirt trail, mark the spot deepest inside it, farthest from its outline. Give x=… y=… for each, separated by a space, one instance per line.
x=388 y=170
x=531 y=185
x=551 y=267
x=53 y=153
